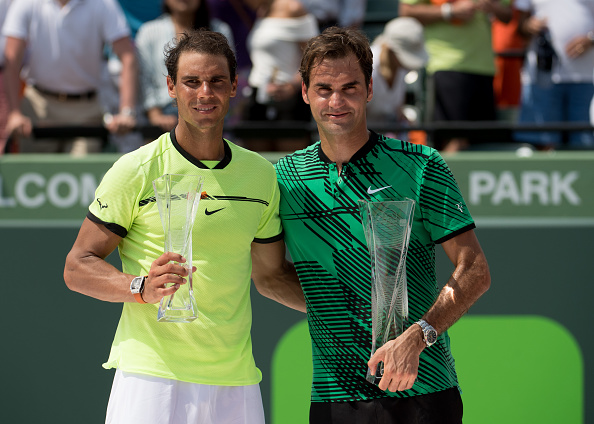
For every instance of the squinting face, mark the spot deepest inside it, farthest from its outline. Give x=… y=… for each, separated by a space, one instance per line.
x=203 y=89
x=338 y=96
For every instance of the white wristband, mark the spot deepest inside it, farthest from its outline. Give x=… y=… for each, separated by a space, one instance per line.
x=446 y=12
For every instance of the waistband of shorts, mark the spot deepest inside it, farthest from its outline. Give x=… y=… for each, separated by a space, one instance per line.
x=63 y=97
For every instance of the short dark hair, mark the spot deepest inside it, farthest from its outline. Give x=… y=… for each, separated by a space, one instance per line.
x=199 y=41
x=337 y=43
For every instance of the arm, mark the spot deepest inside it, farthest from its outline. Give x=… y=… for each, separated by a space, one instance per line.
x=427 y=14
x=87 y=272
x=528 y=25
x=467 y=283
x=159 y=119
x=502 y=12
x=275 y=277
x=14 y=51
x=577 y=46
x=125 y=120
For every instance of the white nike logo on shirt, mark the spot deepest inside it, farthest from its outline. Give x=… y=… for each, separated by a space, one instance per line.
x=372 y=191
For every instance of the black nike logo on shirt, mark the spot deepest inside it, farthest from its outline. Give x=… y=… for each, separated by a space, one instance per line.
x=207 y=212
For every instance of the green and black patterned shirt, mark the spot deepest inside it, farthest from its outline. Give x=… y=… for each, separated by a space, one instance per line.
x=325 y=238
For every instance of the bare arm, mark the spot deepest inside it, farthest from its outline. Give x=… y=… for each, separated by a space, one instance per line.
x=14 y=51
x=529 y=26
x=467 y=283
x=275 y=277
x=87 y=272
x=502 y=12
x=427 y=14
x=125 y=120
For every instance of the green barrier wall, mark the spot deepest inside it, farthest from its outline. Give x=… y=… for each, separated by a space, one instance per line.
x=524 y=352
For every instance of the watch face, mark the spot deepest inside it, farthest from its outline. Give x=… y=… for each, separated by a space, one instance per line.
x=431 y=336
x=135 y=285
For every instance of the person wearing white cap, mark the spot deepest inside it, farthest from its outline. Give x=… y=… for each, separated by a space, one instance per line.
x=399 y=49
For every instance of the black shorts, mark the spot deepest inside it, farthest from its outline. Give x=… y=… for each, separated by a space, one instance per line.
x=461 y=96
x=443 y=407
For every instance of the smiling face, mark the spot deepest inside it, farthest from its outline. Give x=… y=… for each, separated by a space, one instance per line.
x=338 y=97
x=203 y=90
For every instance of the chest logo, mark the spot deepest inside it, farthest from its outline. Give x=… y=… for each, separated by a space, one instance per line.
x=375 y=190
x=207 y=212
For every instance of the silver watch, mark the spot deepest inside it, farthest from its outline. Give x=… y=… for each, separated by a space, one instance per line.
x=429 y=333
x=137 y=285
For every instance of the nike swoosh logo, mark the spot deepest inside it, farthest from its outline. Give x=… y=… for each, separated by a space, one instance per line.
x=372 y=191
x=207 y=212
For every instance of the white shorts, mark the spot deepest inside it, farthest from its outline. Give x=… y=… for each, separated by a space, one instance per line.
x=144 y=399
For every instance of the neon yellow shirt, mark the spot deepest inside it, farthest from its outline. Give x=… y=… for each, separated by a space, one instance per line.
x=216 y=347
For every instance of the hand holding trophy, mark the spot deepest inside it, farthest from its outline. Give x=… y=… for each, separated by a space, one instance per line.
x=177 y=198
x=387 y=226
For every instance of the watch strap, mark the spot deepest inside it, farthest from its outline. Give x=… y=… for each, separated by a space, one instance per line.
x=138 y=296
x=427 y=328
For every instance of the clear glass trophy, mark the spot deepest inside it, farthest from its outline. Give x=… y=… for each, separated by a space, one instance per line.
x=387 y=226
x=177 y=198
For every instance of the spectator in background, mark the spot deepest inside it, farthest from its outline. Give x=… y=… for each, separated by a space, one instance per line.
x=152 y=38
x=557 y=74
x=343 y=13
x=4 y=4
x=275 y=45
x=138 y=12
x=399 y=49
x=63 y=41
x=461 y=60
x=510 y=48
x=240 y=15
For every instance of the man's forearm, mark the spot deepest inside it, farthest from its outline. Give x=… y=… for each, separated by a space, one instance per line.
x=282 y=287
x=465 y=286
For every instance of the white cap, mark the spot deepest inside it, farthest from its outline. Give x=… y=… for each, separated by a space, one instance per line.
x=405 y=37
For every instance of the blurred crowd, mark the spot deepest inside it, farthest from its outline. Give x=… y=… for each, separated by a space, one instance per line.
x=523 y=62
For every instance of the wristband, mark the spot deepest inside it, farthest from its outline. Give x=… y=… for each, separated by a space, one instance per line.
x=446 y=12
x=590 y=36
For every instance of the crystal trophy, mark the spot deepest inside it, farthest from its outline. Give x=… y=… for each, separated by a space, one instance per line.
x=387 y=226
x=177 y=198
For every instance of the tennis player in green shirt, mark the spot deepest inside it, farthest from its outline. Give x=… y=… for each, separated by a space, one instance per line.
x=320 y=188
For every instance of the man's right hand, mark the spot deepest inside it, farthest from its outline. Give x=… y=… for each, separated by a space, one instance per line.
x=18 y=124
x=166 y=269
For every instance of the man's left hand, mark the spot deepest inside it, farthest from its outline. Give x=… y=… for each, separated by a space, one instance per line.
x=401 y=360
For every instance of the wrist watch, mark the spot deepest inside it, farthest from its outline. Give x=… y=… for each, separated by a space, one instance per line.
x=137 y=287
x=429 y=333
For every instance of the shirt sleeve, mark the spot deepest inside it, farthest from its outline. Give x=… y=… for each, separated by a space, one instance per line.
x=118 y=195
x=443 y=208
x=18 y=20
x=270 y=228
x=114 y=22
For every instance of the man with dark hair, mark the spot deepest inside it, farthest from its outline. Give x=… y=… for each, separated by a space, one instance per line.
x=320 y=189
x=202 y=371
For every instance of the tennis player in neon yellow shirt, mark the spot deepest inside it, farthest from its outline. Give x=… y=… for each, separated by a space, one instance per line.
x=203 y=371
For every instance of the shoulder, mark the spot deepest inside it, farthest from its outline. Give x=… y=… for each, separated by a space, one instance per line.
x=405 y=148
x=249 y=159
x=300 y=161
x=145 y=154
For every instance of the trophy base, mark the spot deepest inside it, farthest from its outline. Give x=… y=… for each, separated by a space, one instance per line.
x=379 y=373
x=174 y=309
x=176 y=316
